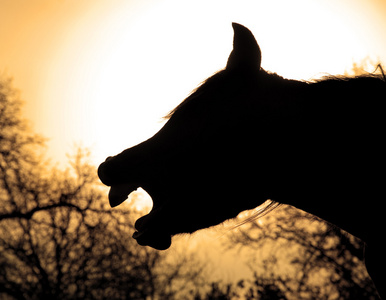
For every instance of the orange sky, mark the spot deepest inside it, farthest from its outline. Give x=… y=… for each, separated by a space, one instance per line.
x=103 y=73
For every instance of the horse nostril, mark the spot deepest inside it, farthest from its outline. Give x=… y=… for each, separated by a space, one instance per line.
x=108 y=158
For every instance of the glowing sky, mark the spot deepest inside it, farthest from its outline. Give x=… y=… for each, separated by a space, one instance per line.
x=103 y=73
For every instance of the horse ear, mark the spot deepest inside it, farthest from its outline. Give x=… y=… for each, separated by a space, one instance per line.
x=246 y=54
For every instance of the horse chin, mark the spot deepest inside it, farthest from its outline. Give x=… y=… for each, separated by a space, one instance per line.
x=152 y=229
x=153 y=238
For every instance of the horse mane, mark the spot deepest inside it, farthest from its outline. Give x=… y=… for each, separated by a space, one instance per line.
x=208 y=84
x=366 y=79
x=228 y=79
x=366 y=82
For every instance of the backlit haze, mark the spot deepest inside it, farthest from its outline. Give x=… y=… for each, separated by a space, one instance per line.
x=103 y=73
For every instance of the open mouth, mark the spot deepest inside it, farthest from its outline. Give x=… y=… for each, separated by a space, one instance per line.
x=150 y=231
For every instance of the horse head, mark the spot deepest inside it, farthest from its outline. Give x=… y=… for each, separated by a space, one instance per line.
x=204 y=166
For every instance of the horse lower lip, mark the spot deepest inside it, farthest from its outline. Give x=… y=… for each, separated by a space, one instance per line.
x=156 y=240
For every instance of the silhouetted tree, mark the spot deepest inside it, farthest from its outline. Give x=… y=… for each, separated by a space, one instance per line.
x=302 y=257
x=245 y=289
x=58 y=237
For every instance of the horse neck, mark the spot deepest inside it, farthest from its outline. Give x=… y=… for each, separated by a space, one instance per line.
x=348 y=197
x=333 y=166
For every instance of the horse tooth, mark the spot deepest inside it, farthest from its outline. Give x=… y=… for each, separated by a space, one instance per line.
x=119 y=193
x=137 y=234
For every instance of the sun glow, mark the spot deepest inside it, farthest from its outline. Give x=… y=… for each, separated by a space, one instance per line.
x=115 y=75
x=103 y=74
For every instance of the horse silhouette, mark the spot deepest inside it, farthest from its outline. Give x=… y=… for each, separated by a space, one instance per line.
x=246 y=135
